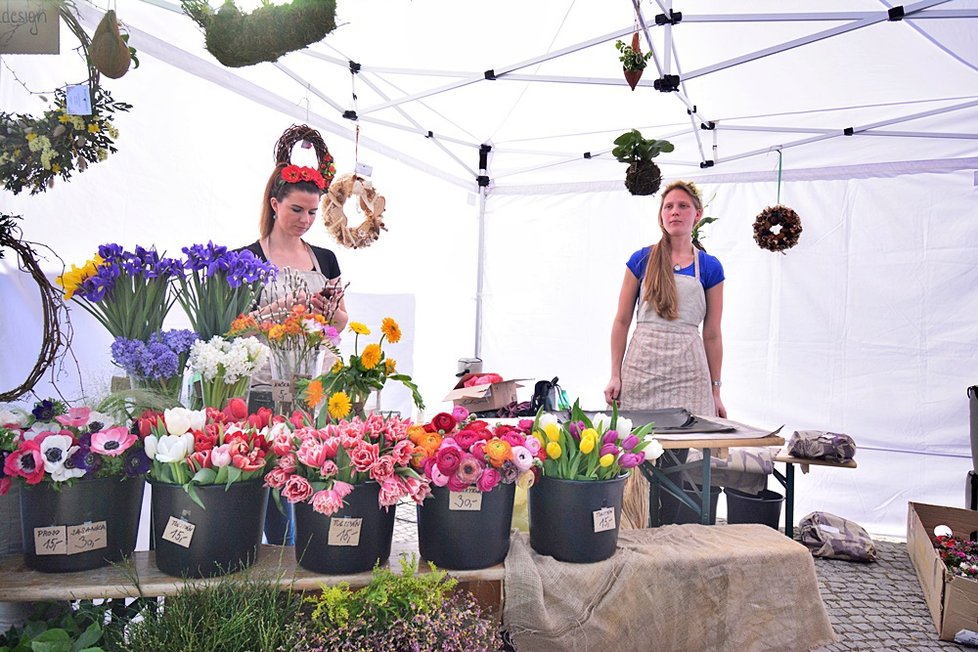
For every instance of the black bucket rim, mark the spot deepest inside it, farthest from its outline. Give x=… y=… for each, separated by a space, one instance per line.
x=766 y=495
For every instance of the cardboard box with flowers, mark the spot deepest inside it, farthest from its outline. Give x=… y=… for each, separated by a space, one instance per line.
x=80 y=478
x=208 y=493
x=474 y=468
x=575 y=508
x=344 y=479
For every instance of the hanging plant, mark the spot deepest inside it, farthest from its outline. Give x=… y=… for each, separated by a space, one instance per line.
x=633 y=62
x=110 y=52
x=643 y=176
x=236 y=39
x=777 y=228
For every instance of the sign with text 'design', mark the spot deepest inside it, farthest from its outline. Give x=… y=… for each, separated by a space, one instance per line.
x=30 y=27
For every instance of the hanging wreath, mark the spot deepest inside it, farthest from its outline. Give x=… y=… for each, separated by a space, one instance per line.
x=236 y=39
x=777 y=228
x=52 y=337
x=309 y=137
x=369 y=202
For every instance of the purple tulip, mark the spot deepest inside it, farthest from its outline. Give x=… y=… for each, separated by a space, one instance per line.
x=631 y=441
x=610 y=437
x=631 y=460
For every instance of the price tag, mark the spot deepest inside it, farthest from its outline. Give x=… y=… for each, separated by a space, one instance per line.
x=51 y=540
x=281 y=391
x=363 y=170
x=469 y=500
x=344 y=531
x=604 y=519
x=86 y=537
x=78 y=100
x=179 y=531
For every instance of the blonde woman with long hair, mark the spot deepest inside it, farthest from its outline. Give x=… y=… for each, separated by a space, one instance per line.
x=673 y=289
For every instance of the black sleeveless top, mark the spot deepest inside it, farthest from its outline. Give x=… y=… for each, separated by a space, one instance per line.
x=328 y=264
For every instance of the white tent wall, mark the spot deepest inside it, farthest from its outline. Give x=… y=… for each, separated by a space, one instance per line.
x=866 y=327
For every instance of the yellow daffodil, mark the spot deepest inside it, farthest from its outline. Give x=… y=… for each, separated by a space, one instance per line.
x=390 y=328
x=358 y=328
x=339 y=405
x=371 y=356
x=553 y=431
x=606 y=460
x=553 y=450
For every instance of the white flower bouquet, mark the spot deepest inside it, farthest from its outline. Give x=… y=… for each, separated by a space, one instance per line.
x=226 y=366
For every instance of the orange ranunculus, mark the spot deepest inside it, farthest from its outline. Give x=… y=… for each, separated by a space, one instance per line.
x=415 y=433
x=498 y=450
x=430 y=442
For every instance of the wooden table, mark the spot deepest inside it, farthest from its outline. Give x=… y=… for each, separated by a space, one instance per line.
x=787 y=481
x=276 y=563
x=659 y=479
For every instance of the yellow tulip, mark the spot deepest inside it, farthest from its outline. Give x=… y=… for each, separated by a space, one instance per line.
x=553 y=431
x=589 y=432
x=553 y=450
x=607 y=460
x=587 y=444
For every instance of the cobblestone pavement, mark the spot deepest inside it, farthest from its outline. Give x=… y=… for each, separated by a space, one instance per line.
x=877 y=607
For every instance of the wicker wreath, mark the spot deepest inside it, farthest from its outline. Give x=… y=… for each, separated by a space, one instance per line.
x=784 y=238
x=370 y=203
x=304 y=133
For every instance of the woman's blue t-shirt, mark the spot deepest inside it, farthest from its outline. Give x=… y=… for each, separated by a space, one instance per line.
x=711 y=271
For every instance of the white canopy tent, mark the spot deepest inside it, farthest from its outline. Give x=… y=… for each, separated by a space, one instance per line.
x=866 y=327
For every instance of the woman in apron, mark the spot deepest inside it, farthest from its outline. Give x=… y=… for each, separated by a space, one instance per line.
x=672 y=288
x=289 y=210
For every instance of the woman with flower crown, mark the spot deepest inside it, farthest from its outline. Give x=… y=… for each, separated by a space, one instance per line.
x=672 y=288
x=289 y=209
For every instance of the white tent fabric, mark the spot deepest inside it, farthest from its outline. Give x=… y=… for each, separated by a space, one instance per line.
x=866 y=327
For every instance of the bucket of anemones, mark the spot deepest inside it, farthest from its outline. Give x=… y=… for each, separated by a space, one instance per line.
x=474 y=468
x=79 y=473
x=207 y=487
x=575 y=508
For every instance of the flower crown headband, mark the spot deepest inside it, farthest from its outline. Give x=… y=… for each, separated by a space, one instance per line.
x=297 y=174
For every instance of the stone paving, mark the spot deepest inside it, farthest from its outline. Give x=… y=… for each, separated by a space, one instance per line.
x=877 y=606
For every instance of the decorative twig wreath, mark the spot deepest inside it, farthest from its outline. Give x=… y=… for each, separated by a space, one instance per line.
x=771 y=238
x=52 y=337
x=370 y=203
x=267 y=33
x=305 y=134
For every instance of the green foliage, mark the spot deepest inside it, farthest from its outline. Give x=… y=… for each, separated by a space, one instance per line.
x=240 y=612
x=631 y=147
x=389 y=596
x=59 y=627
x=630 y=59
x=697 y=235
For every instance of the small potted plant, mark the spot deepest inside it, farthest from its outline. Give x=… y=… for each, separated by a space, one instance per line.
x=643 y=176
x=633 y=62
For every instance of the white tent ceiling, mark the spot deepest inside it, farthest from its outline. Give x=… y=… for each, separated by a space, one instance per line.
x=866 y=327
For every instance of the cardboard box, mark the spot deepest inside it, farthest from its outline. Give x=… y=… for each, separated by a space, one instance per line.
x=483 y=397
x=952 y=600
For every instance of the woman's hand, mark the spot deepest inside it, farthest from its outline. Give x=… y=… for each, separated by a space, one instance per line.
x=721 y=410
x=612 y=391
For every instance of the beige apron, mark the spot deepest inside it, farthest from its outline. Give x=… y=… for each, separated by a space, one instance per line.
x=665 y=366
x=261 y=380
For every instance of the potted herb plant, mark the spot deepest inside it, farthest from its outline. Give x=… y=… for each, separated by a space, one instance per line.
x=643 y=176
x=633 y=62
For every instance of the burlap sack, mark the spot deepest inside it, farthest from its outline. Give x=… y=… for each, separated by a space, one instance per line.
x=828 y=535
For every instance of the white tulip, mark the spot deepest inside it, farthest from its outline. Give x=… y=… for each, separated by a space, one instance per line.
x=177 y=420
x=624 y=426
x=172 y=448
x=546 y=418
x=149 y=446
x=601 y=421
x=653 y=450
x=280 y=428
x=198 y=418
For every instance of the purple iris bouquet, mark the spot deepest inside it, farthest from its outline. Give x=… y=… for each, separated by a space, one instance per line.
x=219 y=285
x=127 y=292
x=157 y=363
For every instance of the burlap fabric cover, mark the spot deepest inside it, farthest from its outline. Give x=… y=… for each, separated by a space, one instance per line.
x=678 y=587
x=828 y=535
x=820 y=445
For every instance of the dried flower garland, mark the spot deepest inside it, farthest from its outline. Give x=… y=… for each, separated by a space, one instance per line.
x=52 y=307
x=237 y=39
x=370 y=203
x=777 y=228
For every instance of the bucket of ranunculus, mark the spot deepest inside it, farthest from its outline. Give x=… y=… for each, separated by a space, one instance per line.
x=575 y=508
x=473 y=468
x=208 y=497
x=345 y=480
x=82 y=486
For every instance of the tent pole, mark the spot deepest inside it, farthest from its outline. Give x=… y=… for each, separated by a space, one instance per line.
x=483 y=181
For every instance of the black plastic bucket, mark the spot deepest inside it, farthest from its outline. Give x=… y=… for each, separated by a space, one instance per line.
x=225 y=535
x=563 y=519
x=361 y=536
x=674 y=511
x=453 y=535
x=764 y=508
x=89 y=524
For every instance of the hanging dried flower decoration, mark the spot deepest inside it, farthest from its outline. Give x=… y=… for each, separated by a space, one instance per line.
x=236 y=39
x=368 y=201
x=777 y=228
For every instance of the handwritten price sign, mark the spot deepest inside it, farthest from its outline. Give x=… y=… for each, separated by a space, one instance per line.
x=179 y=532
x=87 y=537
x=469 y=500
x=282 y=391
x=51 y=540
x=604 y=519
x=344 y=531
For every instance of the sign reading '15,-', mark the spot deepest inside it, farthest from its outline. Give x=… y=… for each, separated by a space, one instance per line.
x=29 y=27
